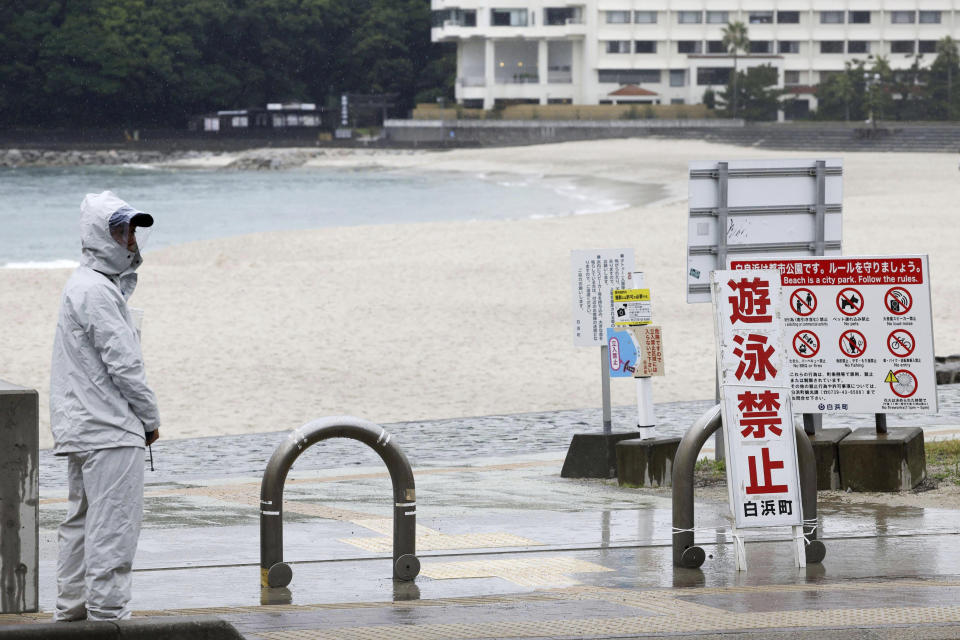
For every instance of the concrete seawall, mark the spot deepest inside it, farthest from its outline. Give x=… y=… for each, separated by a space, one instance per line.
x=894 y=136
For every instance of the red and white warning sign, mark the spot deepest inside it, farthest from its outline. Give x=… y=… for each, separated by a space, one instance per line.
x=761 y=450
x=803 y=302
x=873 y=327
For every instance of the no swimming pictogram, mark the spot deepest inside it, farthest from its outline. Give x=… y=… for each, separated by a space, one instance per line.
x=806 y=344
x=898 y=301
x=850 y=301
x=901 y=343
x=852 y=343
x=803 y=302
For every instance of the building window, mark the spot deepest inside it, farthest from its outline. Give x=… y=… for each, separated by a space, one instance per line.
x=718 y=17
x=618 y=46
x=689 y=46
x=761 y=17
x=858 y=17
x=791 y=77
x=715 y=46
x=927 y=46
x=678 y=77
x=676 y=101
x=645 y=46
x=831 y=17
x=902 y=17
x=929 y=17
x=508 y=17
x=618 y=17
x=558 y=16
x=788 y=46
x=831 y=46
x=713 y=75
x=760 y=46
x=788 y=17
x=901 y=46
x=645 y=17
x=629 y=76
x=858 y=46
x=689 y=17
x=454 y=17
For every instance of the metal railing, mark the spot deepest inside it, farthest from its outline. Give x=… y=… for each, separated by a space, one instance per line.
x=274 y=572
x=685 y=552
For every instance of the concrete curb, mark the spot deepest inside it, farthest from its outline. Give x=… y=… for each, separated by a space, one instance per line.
x=158 y=628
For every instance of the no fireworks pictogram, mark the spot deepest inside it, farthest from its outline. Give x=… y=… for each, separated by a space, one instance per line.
x=803 y=302
x=901 y=343
x=898 y=301
x=850 y=301
x=852 y=343
x=902 y=382
x=806 y=344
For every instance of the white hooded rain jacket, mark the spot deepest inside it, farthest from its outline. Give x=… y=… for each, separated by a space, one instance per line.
x=99 y=398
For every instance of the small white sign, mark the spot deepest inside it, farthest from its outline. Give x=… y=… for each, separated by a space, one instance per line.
x=596 y=273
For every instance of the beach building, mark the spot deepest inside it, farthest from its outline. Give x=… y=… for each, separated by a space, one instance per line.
x=670 y=51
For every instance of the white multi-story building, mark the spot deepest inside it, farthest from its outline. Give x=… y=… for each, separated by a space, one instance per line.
x=670 y=51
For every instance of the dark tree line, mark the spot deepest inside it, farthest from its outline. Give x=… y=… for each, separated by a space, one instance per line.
x=156 y=62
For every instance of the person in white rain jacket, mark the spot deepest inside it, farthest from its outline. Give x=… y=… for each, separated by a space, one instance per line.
x=102 y=414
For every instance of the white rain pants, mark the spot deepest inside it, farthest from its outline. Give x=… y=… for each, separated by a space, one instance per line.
x=98 y=539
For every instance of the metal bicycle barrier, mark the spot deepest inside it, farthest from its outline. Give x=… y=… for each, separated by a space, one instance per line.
x=685 y=553
x=274 y=572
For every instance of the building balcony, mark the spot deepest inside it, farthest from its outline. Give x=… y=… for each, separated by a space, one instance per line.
x=472 y=81
x=518 y=78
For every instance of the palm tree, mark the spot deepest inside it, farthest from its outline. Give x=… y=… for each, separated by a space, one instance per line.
x=735 y=40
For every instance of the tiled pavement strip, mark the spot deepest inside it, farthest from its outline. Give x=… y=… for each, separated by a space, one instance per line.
x=561 y=595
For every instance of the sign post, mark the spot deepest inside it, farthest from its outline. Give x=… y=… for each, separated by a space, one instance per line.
x=763 y=477
x=762 y=208
x=596 y=273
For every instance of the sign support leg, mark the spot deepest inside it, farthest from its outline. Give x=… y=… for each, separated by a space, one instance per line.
x=881 y=422
x=812 y=423
x=723 y=177
x=799 y=547
x=739 y=550
x=646 y=421
x=605 y=388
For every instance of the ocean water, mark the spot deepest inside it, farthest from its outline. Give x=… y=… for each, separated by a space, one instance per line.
x=40 y=207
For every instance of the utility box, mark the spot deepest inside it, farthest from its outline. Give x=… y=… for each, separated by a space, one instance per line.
x=19 y=498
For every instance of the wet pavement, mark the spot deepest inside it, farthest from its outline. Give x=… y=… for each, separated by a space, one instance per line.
x=508 y=548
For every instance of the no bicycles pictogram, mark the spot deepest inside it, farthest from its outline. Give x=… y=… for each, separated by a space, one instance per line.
x=852 y=343
x=898 y=301
x=850 y=301
x=806 y=344
x=803 y=302
x=902 y=383
x=901 y=343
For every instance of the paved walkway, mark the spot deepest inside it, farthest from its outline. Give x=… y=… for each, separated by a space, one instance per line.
x=509 y=549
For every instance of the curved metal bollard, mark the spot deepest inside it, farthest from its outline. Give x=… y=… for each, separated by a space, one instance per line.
x=274 y=572
x=685 y=553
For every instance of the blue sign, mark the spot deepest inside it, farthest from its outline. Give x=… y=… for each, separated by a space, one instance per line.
x=622 y=351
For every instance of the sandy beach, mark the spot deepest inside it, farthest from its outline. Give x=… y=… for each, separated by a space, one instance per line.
x=438 y=320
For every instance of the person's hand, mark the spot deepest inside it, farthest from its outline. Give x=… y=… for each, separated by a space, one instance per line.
x=152 y=436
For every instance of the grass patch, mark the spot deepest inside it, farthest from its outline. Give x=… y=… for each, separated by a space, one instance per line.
x=709 y=473
x=943 y=461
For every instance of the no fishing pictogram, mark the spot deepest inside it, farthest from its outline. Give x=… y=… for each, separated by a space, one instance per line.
x=898 y=301
x=852 y=343
x=803 y=302
x=901 y=343
x=806 y=344
x=902 y=383
x=850 y=301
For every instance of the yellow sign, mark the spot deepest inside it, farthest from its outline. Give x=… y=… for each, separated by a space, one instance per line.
x=631 y=307
x=649 y=341
x=890 y=377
